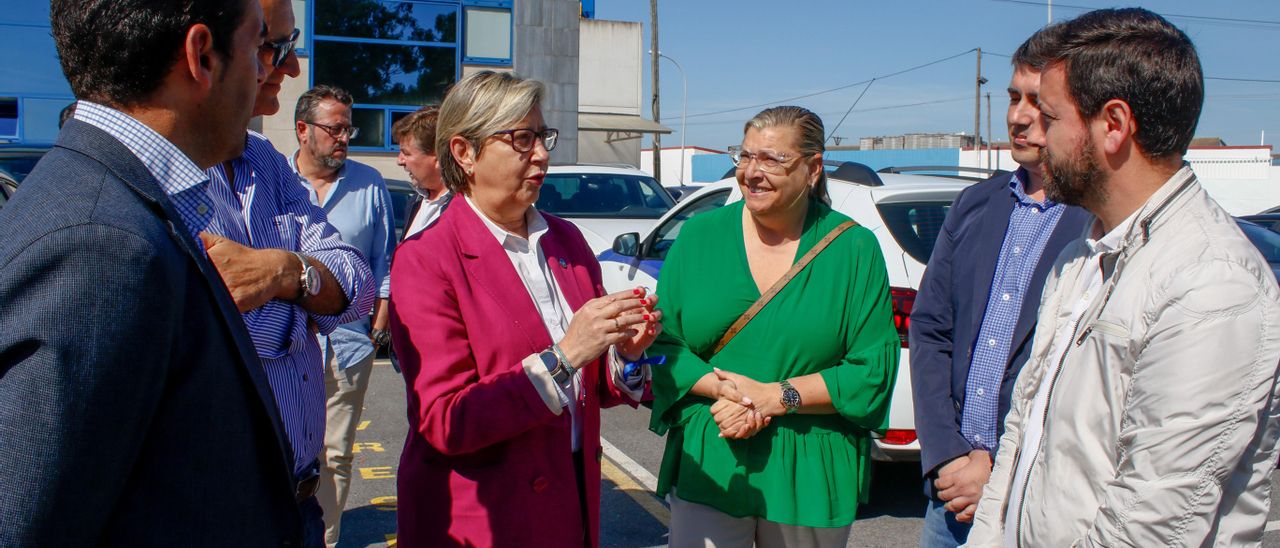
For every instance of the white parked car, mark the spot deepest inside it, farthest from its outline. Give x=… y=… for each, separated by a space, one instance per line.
x=604 y=201
x=905 y=212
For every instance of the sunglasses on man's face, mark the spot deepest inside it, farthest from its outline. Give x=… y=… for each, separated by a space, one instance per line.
x=281 y=49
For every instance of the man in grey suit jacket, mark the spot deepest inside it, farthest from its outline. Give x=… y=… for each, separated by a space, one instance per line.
x=136 y=411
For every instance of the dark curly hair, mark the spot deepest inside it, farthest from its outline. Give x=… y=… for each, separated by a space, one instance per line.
x=118 y=52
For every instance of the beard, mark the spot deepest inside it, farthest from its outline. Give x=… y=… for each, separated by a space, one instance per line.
x=325 y=159
x=1076 y=179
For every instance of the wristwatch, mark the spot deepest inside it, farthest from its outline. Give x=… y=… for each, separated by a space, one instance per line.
x=309 y=283
x=561 y=370
x=381 y=337
x=790 y=397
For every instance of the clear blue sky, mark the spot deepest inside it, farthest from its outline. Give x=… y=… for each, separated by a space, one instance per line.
x=740 y=53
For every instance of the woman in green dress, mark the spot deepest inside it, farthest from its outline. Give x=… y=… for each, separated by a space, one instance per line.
x=768 y=440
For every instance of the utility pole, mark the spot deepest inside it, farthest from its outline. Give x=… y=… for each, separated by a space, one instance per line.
x=653 y=70
x=1050 y=12
x=989 y=134
x=977 y=105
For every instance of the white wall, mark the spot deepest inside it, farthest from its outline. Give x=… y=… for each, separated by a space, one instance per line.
x=609 y=67
x=1241 y=179
x=671 y=175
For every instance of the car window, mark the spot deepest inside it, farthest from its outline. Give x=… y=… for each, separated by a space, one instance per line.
x=399 y=201
x=667 y=233
x=1267 y=242
x=18 y=166
x=602 y=195
x=915 y=225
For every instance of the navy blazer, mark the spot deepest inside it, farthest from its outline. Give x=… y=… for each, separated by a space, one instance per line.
x=948 y=313
x=136 y=412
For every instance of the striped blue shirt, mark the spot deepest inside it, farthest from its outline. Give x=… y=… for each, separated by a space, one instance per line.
x=266 y=206
x=359 y=206
x=1030 y=225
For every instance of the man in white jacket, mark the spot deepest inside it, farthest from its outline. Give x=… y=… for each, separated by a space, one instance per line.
x=1147 y=413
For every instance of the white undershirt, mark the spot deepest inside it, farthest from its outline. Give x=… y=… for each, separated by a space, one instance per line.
x=427 y=212
x=531 y=265
x=1033 y=431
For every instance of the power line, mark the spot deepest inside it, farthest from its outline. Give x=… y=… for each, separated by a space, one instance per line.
x=1180 y=16
x=1243 y=80
x=826 y=114
x=846 y=86
x=846 y=113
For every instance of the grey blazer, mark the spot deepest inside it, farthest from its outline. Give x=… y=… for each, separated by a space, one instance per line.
x=135 y=411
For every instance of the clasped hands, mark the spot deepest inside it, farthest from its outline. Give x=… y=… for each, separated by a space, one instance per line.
x=960 y=483
x=627 y=320
x=744 y=406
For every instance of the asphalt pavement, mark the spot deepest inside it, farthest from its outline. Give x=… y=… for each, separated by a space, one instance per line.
x=631 y=515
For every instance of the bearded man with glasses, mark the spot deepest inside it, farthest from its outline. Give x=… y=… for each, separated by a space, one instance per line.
x=287 y=268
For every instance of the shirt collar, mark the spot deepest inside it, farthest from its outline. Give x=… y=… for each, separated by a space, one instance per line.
x=444 y=192
x=1018 y=186
x=173 y=169
x=1111 y=240
x=533 y=219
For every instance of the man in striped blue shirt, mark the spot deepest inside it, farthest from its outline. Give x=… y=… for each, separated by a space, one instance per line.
x=263 y=223
x=355 y=198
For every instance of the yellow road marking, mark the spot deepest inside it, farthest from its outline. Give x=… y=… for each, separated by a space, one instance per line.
x=370 y=445
x=386 y=504
x=377 y=472
x=391 y=540
x=638 y=493
x=363 y=425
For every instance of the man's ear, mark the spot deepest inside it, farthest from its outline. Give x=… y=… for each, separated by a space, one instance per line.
x=200 y=62
x=464 y=153
x=300 y=130
x=1118 y=125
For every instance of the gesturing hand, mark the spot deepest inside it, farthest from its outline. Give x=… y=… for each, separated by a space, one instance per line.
x=602 y=322
x=632 y=347
x=253 y=276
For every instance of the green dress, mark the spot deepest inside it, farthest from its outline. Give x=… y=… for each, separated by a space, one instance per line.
x=834 y=318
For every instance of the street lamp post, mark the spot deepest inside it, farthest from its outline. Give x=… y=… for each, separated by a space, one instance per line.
x=684 y=109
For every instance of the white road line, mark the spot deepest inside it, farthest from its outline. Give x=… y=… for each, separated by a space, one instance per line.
x=632 y=467
x=1273 y=526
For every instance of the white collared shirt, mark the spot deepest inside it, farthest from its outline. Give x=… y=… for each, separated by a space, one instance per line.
x=1030 y=446
x=427 y=212
x=531 y=265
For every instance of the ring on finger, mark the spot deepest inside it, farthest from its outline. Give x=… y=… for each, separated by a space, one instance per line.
x=616 y=324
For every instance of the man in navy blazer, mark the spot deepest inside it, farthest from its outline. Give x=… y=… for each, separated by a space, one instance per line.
x=136 y=412
x=975 y=314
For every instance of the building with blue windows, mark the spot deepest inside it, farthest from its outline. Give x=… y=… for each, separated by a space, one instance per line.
x=394 y=56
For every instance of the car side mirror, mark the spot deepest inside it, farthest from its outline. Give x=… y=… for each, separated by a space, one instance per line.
x=627 y=245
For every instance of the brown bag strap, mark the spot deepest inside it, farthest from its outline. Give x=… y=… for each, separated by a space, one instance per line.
x=781 y=283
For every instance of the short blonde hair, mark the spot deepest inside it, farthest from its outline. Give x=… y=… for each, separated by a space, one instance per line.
x=477 y=107
x=809 y=136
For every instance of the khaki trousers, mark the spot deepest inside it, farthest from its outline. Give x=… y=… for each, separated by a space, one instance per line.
x=345 y=391
x=696 y=525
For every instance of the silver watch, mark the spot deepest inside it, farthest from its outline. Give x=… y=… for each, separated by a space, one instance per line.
x=790 y=397
x=309 y=282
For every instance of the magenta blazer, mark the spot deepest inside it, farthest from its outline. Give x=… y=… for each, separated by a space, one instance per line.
x=486 y=463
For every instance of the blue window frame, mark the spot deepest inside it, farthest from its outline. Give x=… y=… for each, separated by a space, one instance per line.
x=394 y=56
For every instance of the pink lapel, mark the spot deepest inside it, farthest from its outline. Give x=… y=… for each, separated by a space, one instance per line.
x=491 y=269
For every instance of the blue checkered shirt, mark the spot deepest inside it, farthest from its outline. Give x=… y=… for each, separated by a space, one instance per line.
x=1030 y=225
x=267 y=207
x=177 y=175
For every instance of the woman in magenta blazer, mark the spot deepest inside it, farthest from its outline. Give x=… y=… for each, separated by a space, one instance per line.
x=508 y=344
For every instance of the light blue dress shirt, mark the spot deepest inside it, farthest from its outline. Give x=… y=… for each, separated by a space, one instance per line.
x=360 y=207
